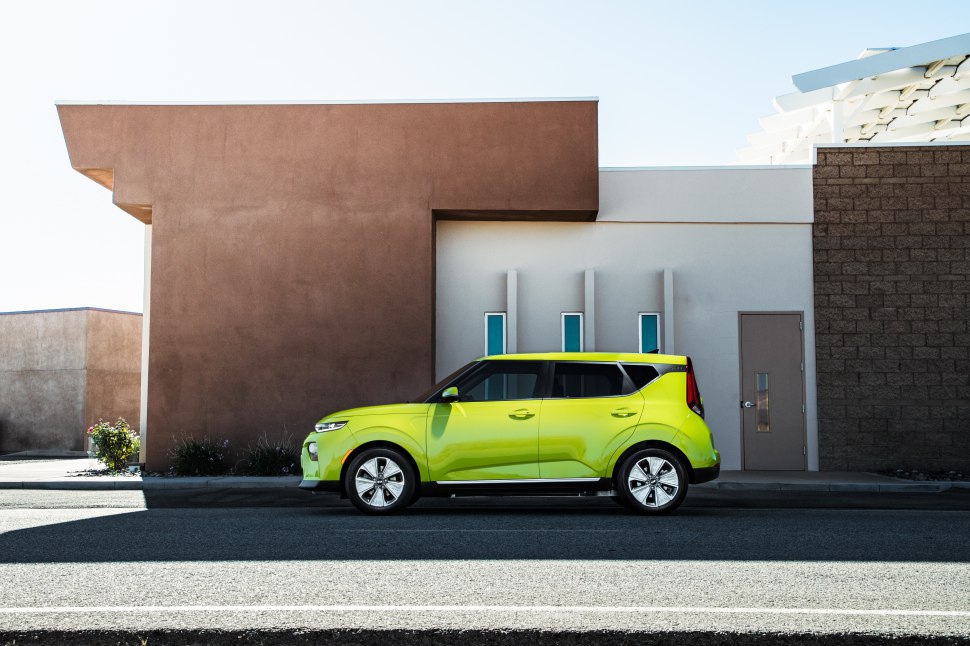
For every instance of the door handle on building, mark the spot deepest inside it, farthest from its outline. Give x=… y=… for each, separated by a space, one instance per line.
x=623 y=412
x=747 y=404
x=522 y=413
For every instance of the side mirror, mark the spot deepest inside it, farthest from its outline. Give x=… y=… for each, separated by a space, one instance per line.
x=449 y=395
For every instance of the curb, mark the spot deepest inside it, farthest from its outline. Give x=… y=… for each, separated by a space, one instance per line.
x=130 y=484
x=838 y=487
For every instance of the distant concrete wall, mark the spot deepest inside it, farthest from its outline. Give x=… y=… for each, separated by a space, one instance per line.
x=59 y=368
x=113 y=367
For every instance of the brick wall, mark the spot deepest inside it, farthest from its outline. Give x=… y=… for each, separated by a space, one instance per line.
x=892 y=262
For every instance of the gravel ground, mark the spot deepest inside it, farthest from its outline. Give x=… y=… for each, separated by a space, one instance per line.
x=463 y=637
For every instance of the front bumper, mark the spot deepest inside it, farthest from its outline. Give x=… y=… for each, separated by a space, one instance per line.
x=320 y=485
x=705 y=474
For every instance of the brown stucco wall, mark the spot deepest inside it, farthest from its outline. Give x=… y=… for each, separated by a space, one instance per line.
x=892 y=274
x=292 y=245
x=59 y=368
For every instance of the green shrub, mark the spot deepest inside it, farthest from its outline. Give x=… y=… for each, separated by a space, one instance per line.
x=114 y=443
x=192 y=457
x=267 y=458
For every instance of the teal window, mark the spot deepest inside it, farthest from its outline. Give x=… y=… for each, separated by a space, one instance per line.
x=572 y=331
x=649 y=331
x=495 y=333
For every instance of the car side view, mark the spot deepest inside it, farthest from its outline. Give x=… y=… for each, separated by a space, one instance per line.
x=629 y=426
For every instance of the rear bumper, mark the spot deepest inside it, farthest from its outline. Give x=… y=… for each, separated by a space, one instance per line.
x=706 y=474
x=320 y=485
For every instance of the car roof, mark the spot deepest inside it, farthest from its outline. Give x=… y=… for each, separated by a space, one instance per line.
x=629 y=357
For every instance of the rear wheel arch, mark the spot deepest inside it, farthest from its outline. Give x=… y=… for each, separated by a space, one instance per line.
x=653 y=444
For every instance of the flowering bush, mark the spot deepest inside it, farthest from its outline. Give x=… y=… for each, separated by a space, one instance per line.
x=192 y=457
x=114 y=443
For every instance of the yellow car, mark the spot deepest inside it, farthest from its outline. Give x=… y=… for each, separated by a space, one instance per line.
x=630 y=426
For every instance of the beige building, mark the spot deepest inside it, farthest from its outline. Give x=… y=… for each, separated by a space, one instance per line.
x=62 y=370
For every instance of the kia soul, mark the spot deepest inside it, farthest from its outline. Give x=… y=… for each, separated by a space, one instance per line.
x=629 y=426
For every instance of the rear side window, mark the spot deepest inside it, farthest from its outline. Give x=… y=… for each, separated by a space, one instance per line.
x=576 y=379
x=640 y=374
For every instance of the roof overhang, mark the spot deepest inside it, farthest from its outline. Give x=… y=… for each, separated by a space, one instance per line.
x=910 y=94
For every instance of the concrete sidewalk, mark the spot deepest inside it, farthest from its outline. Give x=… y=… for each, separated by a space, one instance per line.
x=44 y=473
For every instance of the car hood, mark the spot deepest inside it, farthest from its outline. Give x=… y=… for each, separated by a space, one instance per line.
x=384 y=409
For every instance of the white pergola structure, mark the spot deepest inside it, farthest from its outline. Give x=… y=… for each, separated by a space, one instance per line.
x=909 y=94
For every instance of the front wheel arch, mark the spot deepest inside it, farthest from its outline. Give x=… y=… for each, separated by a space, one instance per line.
x=376 y=444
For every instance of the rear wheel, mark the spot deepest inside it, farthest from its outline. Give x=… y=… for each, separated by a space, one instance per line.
x=380 y=481
x=652 y=481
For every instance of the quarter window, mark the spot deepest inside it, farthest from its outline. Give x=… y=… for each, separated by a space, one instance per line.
x=640 y=374
x=495 y=333
x=501 y=380
x=649 y=331
x=572 y=331
x=577 y=379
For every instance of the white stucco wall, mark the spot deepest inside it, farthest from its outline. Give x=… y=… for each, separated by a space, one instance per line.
x=722 y=264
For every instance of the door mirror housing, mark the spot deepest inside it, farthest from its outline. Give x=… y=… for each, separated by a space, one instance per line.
x=449 y=395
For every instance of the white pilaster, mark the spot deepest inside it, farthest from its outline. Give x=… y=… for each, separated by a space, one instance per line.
x=512 y=311
x=668 y=314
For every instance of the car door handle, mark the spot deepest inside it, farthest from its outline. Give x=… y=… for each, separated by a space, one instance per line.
x=522 y=413
x=623 y=412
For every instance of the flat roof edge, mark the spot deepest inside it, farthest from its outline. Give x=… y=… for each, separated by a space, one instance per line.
x=334 y=102
x=887 y=144
x=72 y=309
x=612 y=169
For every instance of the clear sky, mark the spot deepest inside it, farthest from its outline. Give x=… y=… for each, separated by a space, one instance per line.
x=679 y=83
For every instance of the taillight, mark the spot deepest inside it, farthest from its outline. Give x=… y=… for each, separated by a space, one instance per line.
x=693 y=392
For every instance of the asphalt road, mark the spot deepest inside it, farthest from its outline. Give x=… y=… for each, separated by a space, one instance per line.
x=739 y=566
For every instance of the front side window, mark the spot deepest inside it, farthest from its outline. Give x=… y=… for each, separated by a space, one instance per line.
x=577 y=379
x=501 y=380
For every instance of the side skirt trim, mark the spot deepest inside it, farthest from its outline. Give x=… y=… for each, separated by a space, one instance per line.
x=515 y=482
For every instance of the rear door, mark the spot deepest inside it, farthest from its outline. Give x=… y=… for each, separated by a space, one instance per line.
x=591 y=410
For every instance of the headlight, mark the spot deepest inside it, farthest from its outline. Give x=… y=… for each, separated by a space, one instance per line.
x=312 y=450
x=323 y=427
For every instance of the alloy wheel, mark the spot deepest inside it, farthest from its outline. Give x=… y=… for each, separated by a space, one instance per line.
x=653 y=481
x=380 y=482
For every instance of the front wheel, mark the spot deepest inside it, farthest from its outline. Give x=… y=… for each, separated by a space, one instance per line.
x=652 y=481
x=380 y=481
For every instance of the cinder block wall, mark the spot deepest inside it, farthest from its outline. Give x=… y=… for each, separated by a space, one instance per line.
x=892 y=274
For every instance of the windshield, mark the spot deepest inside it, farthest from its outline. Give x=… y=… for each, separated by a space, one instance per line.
x=423 y=397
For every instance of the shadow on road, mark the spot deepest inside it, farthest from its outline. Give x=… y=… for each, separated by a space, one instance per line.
x=507 y=529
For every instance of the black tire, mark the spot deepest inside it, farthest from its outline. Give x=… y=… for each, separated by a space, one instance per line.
x=395 y=481
x=652 y=481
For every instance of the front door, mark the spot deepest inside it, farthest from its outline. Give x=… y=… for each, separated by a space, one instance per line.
x=492 y=432
x=772 y=392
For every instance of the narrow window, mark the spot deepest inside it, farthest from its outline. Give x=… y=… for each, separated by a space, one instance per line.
x=649 y=331
x=572 y=331
x=495 y=333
